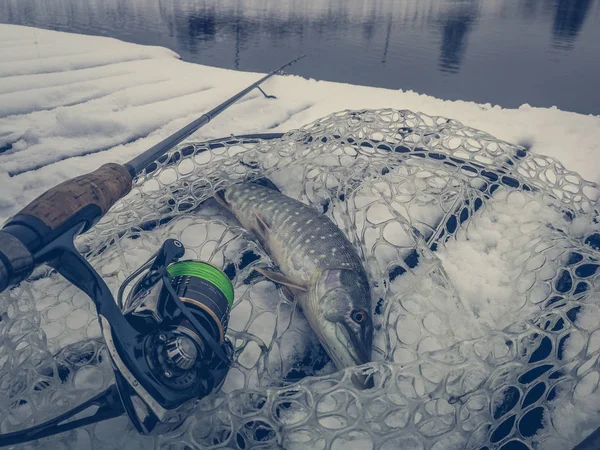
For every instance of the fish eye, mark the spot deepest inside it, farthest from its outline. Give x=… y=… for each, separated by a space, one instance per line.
x=358 y=316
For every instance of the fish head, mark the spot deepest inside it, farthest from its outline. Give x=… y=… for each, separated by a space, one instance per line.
x=343 y=299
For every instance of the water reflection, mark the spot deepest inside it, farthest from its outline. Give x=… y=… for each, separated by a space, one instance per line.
x=529 y=8
x=454 y=49
x=455 y=34
x=387 y=40
x=569 y=18
x=201 y=28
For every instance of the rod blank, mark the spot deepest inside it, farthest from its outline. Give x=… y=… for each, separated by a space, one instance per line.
x=137 y=164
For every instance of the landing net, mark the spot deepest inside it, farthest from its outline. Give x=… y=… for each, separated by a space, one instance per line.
x=483 y=263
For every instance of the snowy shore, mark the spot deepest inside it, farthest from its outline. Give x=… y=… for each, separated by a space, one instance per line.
x=69 y=103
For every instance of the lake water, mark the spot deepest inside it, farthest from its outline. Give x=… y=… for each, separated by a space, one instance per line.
x=505 y=52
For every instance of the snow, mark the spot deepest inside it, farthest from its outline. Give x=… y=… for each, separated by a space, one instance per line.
x=493 y=249
x=69 y=103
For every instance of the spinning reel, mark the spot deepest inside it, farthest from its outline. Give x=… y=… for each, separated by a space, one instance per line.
x=179 y=312
x=166 y=341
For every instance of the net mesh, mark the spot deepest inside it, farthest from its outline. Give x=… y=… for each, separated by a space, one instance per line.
x=483 y=263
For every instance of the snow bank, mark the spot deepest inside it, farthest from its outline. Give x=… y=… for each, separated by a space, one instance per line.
x=69 y=103
x=509 y=262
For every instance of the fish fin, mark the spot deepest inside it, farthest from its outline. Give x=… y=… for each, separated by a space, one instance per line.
x=280 y=278
x=290 y=296
x=287 y=293
x=219 y=196
x=263 y=228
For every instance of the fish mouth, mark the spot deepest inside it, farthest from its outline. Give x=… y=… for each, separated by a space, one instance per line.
x=352 y=345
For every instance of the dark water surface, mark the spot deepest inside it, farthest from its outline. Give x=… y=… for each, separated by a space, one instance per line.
x=506 y=52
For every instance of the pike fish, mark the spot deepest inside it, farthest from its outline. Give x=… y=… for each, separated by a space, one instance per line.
x=317 y=263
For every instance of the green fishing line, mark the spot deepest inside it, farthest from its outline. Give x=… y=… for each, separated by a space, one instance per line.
x=206 y=272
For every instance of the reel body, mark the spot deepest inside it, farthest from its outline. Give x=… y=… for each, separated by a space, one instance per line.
x=183 y=315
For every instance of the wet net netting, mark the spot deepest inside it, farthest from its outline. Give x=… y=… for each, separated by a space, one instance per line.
x=483 y=262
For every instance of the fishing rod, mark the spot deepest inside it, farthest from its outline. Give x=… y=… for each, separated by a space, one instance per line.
x=166 y=339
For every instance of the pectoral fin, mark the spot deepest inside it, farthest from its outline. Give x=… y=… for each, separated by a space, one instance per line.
x=288 y=293
x=280 y=278
x=262 y=229
x=219 y=196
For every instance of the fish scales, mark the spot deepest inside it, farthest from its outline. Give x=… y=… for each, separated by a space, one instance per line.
x=317 y=262
x=312 y=241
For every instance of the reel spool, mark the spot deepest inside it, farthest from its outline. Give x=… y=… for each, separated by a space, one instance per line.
x=206 y=290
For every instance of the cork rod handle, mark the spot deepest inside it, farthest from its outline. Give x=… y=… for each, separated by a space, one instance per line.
x=102 y=188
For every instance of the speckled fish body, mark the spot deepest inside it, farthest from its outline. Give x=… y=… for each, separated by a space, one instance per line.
x=322 y=267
